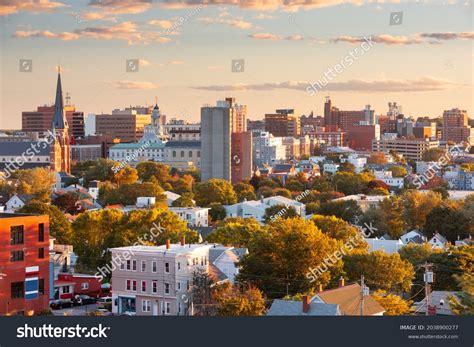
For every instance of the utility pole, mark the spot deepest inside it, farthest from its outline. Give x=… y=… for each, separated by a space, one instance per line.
x=428 y=278
x=362 y=286
x=287 y=286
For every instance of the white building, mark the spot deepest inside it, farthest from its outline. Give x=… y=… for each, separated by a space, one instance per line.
x=364 y=201
x=438 y=241
x=194 y=216
x=388 y=246
x=387 y=178
x=330 y=168
x=256 y=208
x=145 y=201
x=267 y=149
x=356 y=160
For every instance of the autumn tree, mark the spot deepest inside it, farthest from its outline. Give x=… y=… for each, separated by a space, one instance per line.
x=377 y=158
x=244 y=191
x=392 y=212
x=236 y=232
x=275 y=212
x=236 y=302
x=125 y=175
x=68 y=203
x=449 y=220
x=345 y=209
x=285 y=254
x=381 y=270
x=185 y=200
x=148 y=169
x=462 y=304
x=215 y=190
x=59 y=226
x=393 y=304
x=127 y=194
x=398 y=171
x=37 y=182
x=417 y=206
x=433 y=154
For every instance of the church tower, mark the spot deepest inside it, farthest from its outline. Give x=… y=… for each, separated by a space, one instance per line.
x=60 y=150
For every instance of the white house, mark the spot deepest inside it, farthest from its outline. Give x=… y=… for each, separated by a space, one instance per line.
x=171 y=197
x=388 y=246
x=438 y=241
x=330 y=167
x=414 y=236
x=16 y=202
x=145 y=201
x=388 y=179
x=364 y=201
x=225 y=260
x=358 y=162
x=256 y=208
x=194 y=216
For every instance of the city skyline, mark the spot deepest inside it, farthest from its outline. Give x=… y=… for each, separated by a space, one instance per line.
x=188 y=62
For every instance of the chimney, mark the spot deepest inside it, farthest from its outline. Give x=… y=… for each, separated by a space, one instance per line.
x=183 y=240
x=341 y=282
x=168 y=244
x=306 y=303
x=320 y=288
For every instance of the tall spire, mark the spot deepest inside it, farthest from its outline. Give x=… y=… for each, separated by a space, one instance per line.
x=59 y=119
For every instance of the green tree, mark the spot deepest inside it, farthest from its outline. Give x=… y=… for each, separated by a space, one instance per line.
x=127 y=194
x=345 y=209
x=462 y=304
x=148 y=169
x=381 y=270
x=100 y=170
x=185 y=200
x=392 y=212
x=398 y=171
x=417 y=207
x=275 y=212
x=449 y=221
x=416 y=254
x=433 y=154
x=285 y=254
x=217 y=211
x=215 y=190
x=59 y=226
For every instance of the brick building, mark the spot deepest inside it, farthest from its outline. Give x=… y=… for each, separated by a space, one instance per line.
x=24 y=264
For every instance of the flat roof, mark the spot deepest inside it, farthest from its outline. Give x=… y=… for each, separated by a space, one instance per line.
x=15 y=215
x=174 y=248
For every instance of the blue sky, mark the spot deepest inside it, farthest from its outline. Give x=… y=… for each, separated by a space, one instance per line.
x=424 y=63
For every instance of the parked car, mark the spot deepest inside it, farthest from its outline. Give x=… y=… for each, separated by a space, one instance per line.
x=84 y=300
x=102 y=312
x=60 y=304
x=105 y=302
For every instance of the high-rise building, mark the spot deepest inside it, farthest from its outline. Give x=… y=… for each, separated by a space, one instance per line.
x=409 y=148
x=267 y=149
x=41 y=119
x=456 y=127
x=24 y=264
x=241 y=156
x=216 y=130
x=360 y=136
x=345 y=119
x=128 y=125
x=311 y=123
x=284 y=122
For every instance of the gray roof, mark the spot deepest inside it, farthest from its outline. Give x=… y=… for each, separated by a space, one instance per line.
x=17 y=148
x=183 y=144
x=295 y=308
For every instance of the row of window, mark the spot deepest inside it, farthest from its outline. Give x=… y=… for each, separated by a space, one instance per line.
x=18 y=289
x=146 y=307
x=131 y=286
x=131 y=265
x=17 y=234
x=20 y=255
x=190 y=154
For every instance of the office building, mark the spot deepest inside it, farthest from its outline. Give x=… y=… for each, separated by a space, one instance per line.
x=409 y=148
x=284 y=122
x=456 y=127
x=127 y=125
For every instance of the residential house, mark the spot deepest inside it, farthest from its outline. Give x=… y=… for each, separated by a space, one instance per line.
x=307 y=307
x=439 y=304
x=364 y=201
x=388 y=246
x=438 y=241
x=194 y=216
x=17 y=201
x=414 y=236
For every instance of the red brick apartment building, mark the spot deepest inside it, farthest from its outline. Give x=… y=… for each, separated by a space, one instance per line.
x=24 y=264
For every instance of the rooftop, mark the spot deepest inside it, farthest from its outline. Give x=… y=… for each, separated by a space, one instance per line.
x=174 y=248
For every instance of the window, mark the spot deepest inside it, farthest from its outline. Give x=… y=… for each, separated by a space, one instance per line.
x=199 y=154
x=179 y=265
x=187 y=285
x=16 y=235
x=41 y=253
x=18 y=290
x=179 y=285
x=40 y=232
x=190 y=154
x=134 y=265
x=182 y=154
x=134 y=285
x=122 y=265
x=84 y=285
x=41 y=286
x=174 y=154
x=128 y=264
x=154 y=287
x=143 y=286
x=143 y=265
x=153 y=266
x=167 y=288
x=168 y=308
x=66 y=290
x=167 y=268
x=146 y=306
x=16 y=256
x=128 y=285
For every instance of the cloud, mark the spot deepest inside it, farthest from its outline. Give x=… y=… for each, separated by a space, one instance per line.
x=91 y=16
x=415 y=39
x=163 y=24
x=268 y=36
x=134 y=85
x=263 y=16
x=423 y=84
x=234 y=22
x=176 y=62
x=13 y=6
x=126 y=31
x=143 y=63
x=122 y=6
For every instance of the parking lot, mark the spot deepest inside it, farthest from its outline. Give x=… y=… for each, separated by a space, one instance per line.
x=76 y=310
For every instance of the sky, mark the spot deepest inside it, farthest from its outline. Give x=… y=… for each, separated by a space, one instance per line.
x=262 y=52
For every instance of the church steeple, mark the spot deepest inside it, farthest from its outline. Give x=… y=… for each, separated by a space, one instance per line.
x=59 y=119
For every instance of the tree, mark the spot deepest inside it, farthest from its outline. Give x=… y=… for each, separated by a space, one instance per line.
x=468 y=210
x=416 y=254
x=275 y=212
x=68 y=203
x=345 y=209
x=282 y=192
x=462 y=303
x=100 y=170
x=285 y=254
x=339 y=229
x=348 y=183
x=59 y=226
x=393 y=304
x=347 y=167
x=126 y=175
x=381 y=270
x=433 y=154
x=236 y=232
x=127 y=194
x=417 y=207
x=237 y=303
x=217 y=211
x=244 y=191
x=215 y=190
x=392 y=211
x=398 y=171
x=377 y=158
x=293 y=185
x=148 y=169
x=312 y=207
x=37 y=182
x=183 y=184
x=449 y=221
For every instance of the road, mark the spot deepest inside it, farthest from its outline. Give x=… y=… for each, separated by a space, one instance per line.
x=75 y=310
